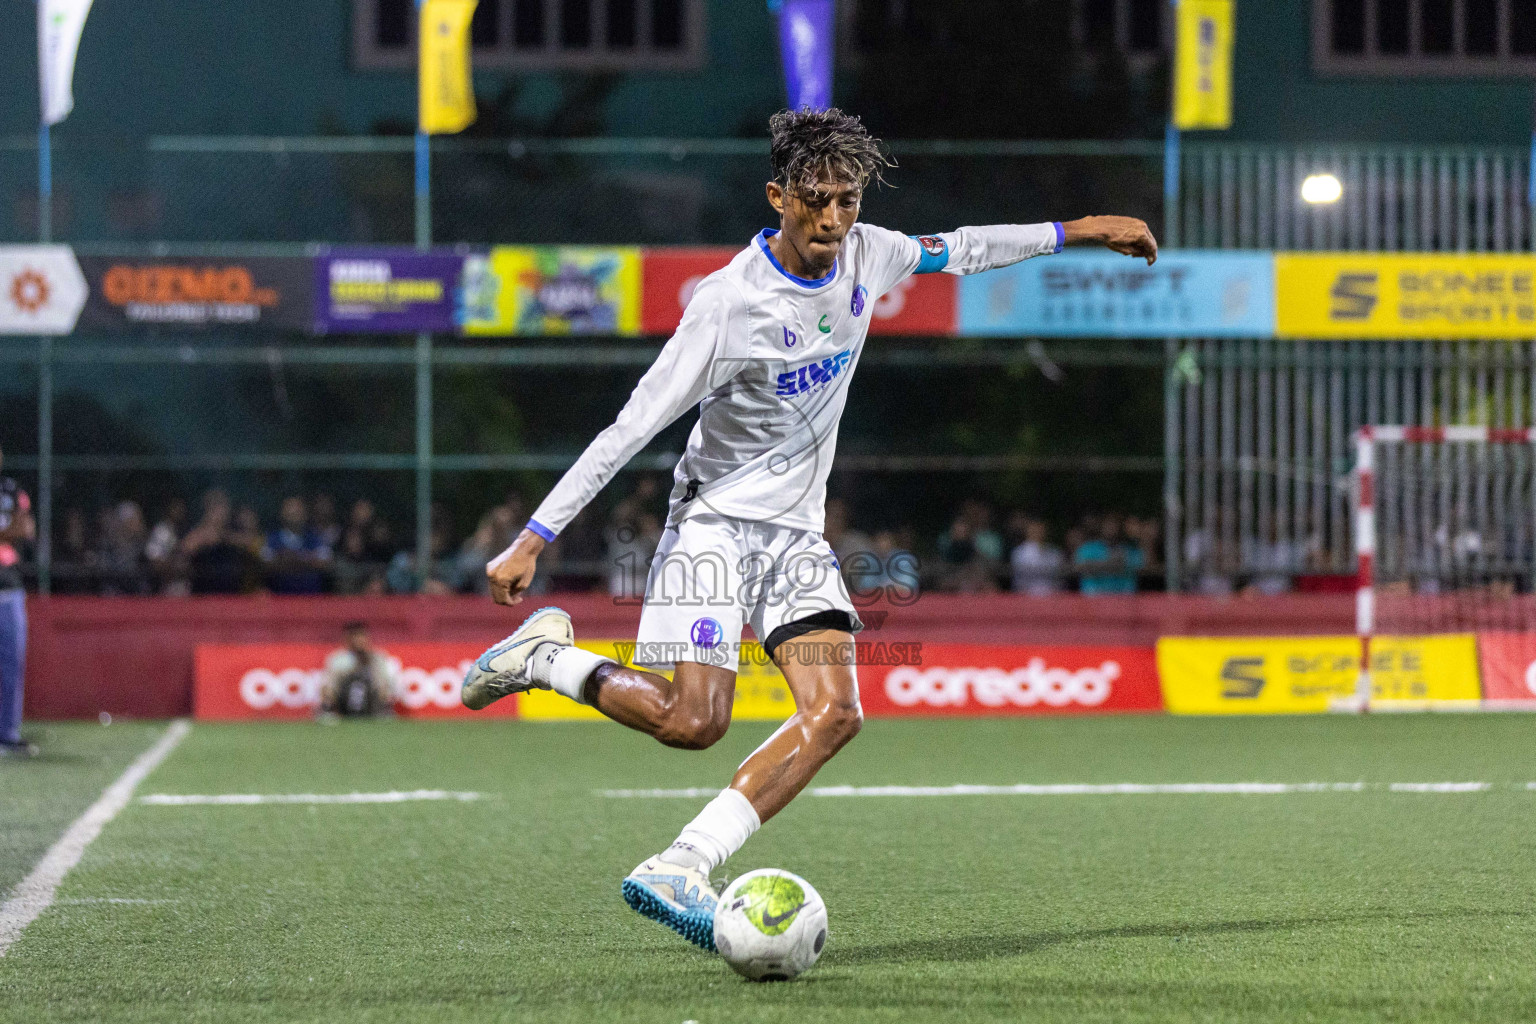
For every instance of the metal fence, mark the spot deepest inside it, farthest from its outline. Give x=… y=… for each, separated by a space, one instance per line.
x=1255 y=432
x=1258 y=433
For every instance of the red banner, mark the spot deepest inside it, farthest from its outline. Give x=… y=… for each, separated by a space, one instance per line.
x=1508 y=664
x=985 y=679
x=232 y=681
x=923 y=304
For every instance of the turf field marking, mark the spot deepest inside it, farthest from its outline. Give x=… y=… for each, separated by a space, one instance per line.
x=35 y=893
x=245 y=799
x=1095 y=789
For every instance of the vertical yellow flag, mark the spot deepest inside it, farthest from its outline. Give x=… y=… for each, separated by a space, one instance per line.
x=1202 y=91
x=446 y=97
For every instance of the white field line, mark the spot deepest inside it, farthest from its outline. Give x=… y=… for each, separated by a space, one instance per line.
x=247 y=799
x=1094 y=789
x=36 y=891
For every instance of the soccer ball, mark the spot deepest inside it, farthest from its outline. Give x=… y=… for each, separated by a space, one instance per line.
x=770 y=925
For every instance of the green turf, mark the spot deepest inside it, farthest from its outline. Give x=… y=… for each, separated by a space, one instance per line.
x=39 y=797
x=1362 y=906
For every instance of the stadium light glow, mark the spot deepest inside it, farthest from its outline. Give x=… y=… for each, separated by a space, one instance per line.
x=1321 y=188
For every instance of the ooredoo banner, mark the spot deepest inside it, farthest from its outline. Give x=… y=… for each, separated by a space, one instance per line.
x=1301 y=674
x=234 y=681
x=148 y=292
x=922 y=304
x=985 y=679
x=1509 y=666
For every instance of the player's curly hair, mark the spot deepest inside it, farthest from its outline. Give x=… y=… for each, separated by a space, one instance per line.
x=810 y=146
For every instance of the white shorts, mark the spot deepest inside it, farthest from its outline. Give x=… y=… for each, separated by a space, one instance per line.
x=712 y=574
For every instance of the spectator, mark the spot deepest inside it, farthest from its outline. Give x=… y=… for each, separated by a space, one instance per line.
x=215 y=563
x=121 y=550
x=322 y=519
x=247 y=533
x=405 y=576
x=1038 y=565
x=844 y=540
x=75 y=555
x=963 y=566
x=1275 y=563
x=16 y=527
x=631 y=543
x=167 y=573
x=364 y=552
x=359 y=679
x=295 y=554
x=1108 y=565
x=887 y=569
x=492 y=536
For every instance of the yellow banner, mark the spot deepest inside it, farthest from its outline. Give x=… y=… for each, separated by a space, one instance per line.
x=1434 y=295
x=548 y=289
x=1295 y=675
x=445 y=94
x=761 y=692
x=1202 y=96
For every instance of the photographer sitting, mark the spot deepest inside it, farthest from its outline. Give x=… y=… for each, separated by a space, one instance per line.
x=360 y=681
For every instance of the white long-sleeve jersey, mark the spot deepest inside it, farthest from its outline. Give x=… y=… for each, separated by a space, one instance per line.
x=767 y=356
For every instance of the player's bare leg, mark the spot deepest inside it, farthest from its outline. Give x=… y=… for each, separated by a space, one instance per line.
x=819 y=669
x=673 y=887
x=690 y=711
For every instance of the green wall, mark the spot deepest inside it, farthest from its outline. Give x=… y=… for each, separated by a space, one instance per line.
x=283 y=67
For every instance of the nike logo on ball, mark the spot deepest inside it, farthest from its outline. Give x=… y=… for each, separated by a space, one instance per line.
x=774 y=920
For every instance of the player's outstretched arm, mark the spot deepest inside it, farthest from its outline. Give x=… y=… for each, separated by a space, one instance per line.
x=1129 y=236
x=683 y=374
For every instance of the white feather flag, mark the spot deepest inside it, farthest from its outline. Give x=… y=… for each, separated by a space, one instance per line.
x=59 y=24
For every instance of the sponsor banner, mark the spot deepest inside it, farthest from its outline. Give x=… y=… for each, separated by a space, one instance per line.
x=386 y=290
x=233 y=681
x=1103 y=294
x=149 y=292
x=922 y=304
x=1402 y=295
x=41 y=289
x=1509 y=665
x=1299 y=674
x=761 y=692
x=987 y=679
x=533 y=290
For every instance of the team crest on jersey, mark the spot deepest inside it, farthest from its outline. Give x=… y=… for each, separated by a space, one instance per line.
x=933 y=245
x=860 y=293
x=707 y=632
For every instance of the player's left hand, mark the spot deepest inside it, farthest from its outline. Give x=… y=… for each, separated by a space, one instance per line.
x=1128 y=236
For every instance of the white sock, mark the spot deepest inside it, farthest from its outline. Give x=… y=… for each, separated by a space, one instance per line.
x=725 y=823
x=563 y=669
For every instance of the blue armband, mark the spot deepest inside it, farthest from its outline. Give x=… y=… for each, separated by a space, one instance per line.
x=935 y=254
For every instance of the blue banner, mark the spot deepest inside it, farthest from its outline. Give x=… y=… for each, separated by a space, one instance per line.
x=805 y=45
x=1189 y=293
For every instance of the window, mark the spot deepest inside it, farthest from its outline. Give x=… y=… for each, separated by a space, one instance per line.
x=533 y=35
x=1425 y=37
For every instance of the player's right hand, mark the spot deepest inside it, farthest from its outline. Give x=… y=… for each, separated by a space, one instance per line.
x=511 y=572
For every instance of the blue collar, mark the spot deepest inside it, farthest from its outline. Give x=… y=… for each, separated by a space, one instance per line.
x=762 y=243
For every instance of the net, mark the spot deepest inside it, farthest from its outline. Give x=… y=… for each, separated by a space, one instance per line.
x=1445 y=532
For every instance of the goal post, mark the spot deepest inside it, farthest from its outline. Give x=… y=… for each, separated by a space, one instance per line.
x=1445 y=545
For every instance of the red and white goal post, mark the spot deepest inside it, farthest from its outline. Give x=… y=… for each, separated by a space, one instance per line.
x=1445 y=540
